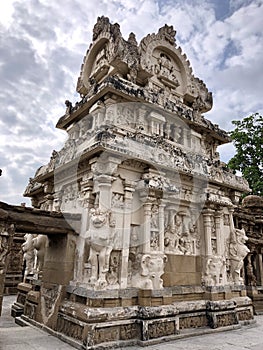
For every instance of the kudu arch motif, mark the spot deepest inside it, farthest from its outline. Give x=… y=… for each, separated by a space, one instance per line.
x=156 y=237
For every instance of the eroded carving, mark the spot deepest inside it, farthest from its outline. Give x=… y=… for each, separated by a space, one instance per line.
x=151 y=270
x=29 y=254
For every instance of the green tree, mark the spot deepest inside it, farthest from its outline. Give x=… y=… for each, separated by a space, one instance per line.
x=247 y=138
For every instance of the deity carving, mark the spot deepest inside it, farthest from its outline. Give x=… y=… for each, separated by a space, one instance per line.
x=49 y=298
x=153 y=181
x=113 y=273
x=173 y=235
x=250 y=271
x=150 y=272
x=214 y=271
x=237 y=251
x=154 y=240
x=186 y=244
x=154 y=217
x=165 y=70
x=117 y=200
x=6 y=237
x=171 y=240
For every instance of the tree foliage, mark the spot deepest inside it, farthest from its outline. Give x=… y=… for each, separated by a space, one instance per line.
x=247 y=138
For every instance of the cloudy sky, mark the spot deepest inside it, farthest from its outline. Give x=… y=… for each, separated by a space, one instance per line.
x=42 y=44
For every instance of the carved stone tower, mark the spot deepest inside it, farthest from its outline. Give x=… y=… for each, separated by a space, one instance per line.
x=156 y=250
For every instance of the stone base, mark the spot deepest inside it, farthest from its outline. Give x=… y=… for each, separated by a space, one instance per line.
x=2 y=281
x=11 y=283
x=17 y=309
x=117 y=321
x=256 y=294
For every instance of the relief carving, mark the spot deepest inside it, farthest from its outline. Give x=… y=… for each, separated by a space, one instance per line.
x=70 y=328
x=245 y=315
x=251 y=270
x=129 y=331
x=150 y=272
x=113 y=273
x=193 y=322
x=214 y=271
x=226 y=319
x=165 y=71
x=6 y=239
x=49 y=299
x=161 y=329
x=108 y=334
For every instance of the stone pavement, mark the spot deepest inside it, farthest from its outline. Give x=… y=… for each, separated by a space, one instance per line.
x=13 y=337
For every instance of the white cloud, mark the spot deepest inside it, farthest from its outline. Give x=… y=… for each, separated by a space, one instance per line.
x=6 y=12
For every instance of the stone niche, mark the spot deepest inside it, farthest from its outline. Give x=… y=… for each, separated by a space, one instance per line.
x=156 y=254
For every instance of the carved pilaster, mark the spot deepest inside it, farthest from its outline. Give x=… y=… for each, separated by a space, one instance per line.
x=161 y=226
x=207 y=215
x=220 y=243
x=147 y=207
x=129 y=188
x=260 y=269
x=104 y=186
x=87 y=198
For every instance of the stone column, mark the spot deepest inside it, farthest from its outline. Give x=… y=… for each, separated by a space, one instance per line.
x=219 y=233
x=161 y=226
x=260 y=268
x=126 y=232
x=146 y=248
x=104 y=186
x=207 y=213
x=172 y=213
x=185 y=137
x=161 y=129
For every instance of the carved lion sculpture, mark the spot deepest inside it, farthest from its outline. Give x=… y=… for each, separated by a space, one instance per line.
x=238 y=251
x=101 y=242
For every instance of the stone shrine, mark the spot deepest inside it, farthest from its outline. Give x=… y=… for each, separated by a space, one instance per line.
x=156 y=254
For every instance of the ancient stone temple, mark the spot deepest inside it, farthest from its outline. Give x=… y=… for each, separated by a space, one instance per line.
x=155 y=254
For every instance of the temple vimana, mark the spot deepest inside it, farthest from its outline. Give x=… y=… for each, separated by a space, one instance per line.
x=137 y=231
